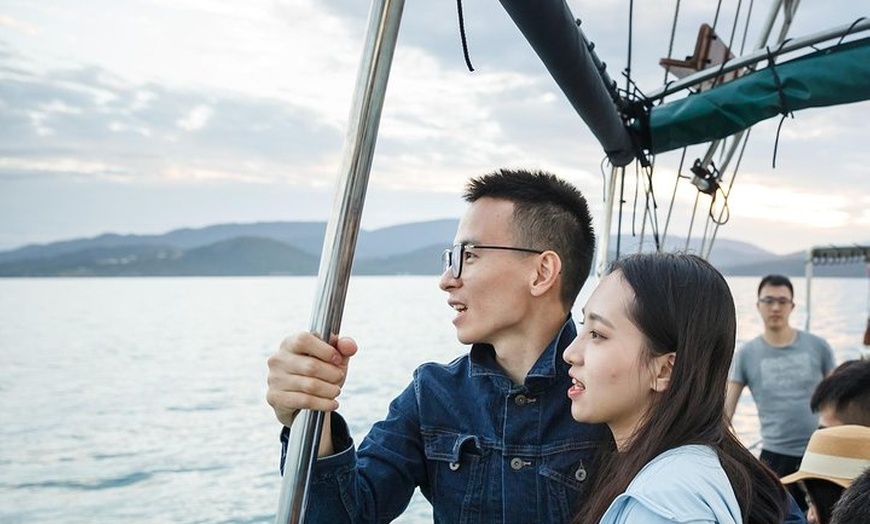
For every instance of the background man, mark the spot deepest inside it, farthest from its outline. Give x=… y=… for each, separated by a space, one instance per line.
x=782 y=367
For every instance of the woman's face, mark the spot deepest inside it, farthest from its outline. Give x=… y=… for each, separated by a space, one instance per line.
x=614 y=381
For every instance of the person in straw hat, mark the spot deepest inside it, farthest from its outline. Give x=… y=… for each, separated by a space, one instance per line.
x=834 y=457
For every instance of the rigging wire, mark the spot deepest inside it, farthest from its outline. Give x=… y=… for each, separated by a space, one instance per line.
x=673 y=36
x=630 y=43
x=621 y=203
x=644 y=183
x=716 y=18
x=734 y=25
x=674 y=194
x=715 y=215
x=692 y=221
x=652 y=208
x=746 y=26
x=725 y=208
x=634 y=205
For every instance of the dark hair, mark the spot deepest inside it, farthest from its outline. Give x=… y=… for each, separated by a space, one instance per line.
x=823 y=494
x=549 y=213
x=854 y=505
x=776 y=280
x=682 y=304
x=847 y=390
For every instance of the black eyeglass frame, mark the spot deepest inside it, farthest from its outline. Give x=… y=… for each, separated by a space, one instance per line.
x=770 y=301
x=457 y=251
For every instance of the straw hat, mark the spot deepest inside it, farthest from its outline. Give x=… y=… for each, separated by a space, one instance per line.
x=837 y=454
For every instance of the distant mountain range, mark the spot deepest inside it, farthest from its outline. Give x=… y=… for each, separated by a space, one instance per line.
x=293 y=248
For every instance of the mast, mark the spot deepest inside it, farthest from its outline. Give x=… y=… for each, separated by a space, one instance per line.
x=341 y=235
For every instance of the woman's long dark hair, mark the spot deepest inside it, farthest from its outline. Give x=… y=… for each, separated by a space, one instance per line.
x=682 y=304
x=824 y=494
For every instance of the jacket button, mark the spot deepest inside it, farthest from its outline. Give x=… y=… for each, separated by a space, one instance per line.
x=518 y=463
x=580 y=474
x=522 y=400
x=454 y=466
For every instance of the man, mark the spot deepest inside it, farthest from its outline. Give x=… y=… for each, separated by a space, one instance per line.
x=844 y=396
x=488 y=437
x=782 y=367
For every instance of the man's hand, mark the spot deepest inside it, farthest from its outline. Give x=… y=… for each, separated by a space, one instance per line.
x=307 y=373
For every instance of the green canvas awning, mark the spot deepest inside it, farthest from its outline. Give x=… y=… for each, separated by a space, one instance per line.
x=833 y=76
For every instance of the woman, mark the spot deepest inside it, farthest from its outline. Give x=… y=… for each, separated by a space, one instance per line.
x=833 y=458
x=652 y=363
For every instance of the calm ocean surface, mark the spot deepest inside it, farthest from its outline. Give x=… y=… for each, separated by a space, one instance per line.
x=141 y=400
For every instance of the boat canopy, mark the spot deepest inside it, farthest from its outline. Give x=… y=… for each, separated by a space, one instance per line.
x=808 y=81
x=838 y=255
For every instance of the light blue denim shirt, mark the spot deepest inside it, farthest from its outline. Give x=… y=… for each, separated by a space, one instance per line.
x=480 y=448
x=685 y=485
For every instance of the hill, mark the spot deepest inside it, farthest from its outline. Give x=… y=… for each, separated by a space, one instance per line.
x=293 y=248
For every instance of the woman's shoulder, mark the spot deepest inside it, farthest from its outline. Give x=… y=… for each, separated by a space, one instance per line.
x=689 y=459
x=684 y=484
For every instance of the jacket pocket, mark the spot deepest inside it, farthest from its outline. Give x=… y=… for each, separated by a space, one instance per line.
x=456 y=474
x=567 y=471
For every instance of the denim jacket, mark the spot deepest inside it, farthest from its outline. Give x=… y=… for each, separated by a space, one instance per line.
x=480 y=448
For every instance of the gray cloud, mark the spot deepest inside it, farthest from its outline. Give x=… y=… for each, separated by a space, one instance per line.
x=92 y=116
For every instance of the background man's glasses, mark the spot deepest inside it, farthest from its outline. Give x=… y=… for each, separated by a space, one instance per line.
x=452 y=257
x=769 y=301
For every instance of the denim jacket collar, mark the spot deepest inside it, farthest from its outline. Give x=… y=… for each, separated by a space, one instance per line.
x=548 y=365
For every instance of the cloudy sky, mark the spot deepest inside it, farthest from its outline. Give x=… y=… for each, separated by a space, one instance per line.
x=144 y=116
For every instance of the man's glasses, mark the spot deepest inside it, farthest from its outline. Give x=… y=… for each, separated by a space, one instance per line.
x=769 y=301
x=452 y=257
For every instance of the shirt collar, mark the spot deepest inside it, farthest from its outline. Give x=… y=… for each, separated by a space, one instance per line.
x=548 y=365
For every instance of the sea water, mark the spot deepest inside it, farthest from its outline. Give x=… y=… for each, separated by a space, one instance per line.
x=142 y=400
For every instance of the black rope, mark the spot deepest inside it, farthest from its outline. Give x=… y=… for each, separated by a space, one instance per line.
x=783 y=102
x=462 y=35
x=849 y=31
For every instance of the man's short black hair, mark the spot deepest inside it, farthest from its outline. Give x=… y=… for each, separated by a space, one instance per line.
x=549 y=213
x=847 y=390
x=776 y=280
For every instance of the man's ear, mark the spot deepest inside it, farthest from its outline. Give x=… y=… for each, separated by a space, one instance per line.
x=547 y=272
x=663 y=369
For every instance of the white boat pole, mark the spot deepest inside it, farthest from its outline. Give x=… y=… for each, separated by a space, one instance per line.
x=603 y=248
x=808 y=273
x=341 y=235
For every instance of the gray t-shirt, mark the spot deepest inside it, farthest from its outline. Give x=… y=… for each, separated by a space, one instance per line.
x=782 y=381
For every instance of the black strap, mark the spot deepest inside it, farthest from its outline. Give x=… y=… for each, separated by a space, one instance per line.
x=462 y=35
x=783 y=102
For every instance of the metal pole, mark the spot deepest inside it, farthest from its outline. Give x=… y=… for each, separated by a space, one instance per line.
x=808 y=273
x=341 y=234
x=604 y=237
